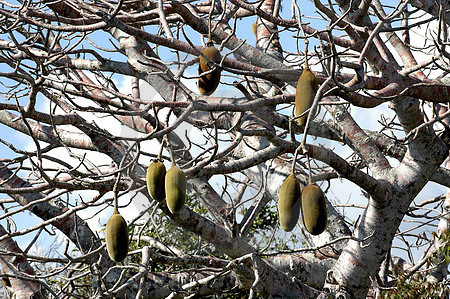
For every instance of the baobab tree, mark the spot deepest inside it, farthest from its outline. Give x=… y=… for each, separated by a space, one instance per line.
x=71 y=69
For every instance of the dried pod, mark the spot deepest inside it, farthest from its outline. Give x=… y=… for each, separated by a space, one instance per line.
x=156 y=173
x=175 y=189
x=208 y=83
x=304 y=96
x=314 y=209
x=117 y=237
x=5 y=279
x=289 y=203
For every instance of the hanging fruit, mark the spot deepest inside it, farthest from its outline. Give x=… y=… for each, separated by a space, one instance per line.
x=289 y=203
x=208 y=83
x=156 y=173
x=117 y=237
x=175 y=189
x=304 y=96
x=314 y=209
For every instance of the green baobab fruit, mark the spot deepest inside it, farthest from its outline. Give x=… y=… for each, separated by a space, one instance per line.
x=208 y=83
x=156 y=173
x=304 y=96
x=314 y=209
x=175 y=189
x=289 y=203
x=117 y=237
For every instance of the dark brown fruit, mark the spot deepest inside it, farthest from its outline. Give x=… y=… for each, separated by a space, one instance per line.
x=156 y=173
x=289 y=203
x=175 y=189
x=117 y=237
x=314 y=209
x=208 y=83
x=305 y=93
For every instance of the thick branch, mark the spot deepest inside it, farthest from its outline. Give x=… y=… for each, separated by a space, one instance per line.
x=18 y=267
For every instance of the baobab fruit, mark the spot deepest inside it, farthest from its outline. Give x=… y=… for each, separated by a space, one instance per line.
x=305 y=93
x=208 y=83
x=314 y=209
x=289 y=203
x=117 y=237
x=175 y=189
x=156 y=173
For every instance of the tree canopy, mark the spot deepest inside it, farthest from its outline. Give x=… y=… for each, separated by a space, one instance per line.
x=93 y=92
